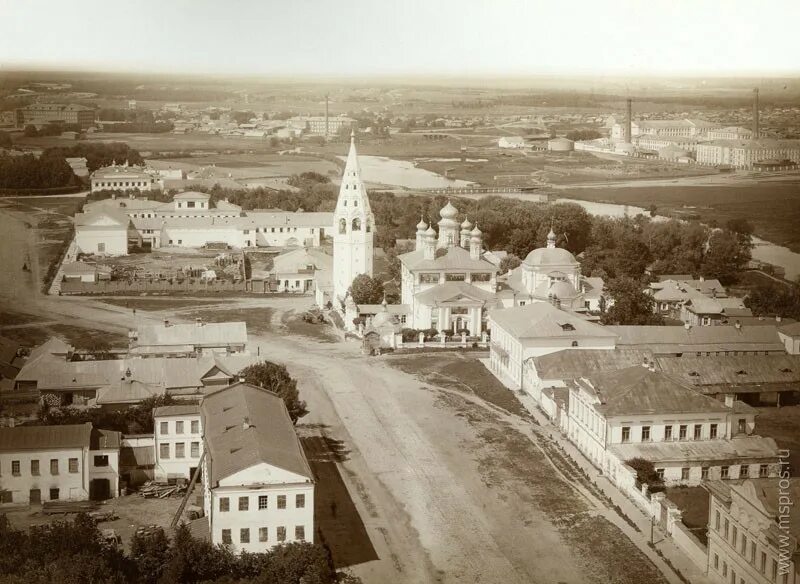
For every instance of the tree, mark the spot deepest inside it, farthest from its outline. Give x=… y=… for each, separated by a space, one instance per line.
x=276 y=378
x=632 y=306
x=727 y=255
x=151 y=553
x=774 y=300
x=510 y=262
x=646 y=474
x=366 y=290
x=5 y=140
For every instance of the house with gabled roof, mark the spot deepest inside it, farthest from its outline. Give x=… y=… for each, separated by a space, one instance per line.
x=54 y=463
x=257 y=483
x=638 y=412
x=522 y=332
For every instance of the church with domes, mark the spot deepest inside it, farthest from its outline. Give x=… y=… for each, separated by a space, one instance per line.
x=551 y=274
x=449 y=282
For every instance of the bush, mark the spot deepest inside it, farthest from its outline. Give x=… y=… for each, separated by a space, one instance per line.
x=646 y=474
x=410 y=335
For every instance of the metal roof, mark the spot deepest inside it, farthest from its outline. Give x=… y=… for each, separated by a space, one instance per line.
x=573 y=363
x=638 y=390
x=542 y=319
x=245 y=425
x=737 y=450
x=177 y=410
x=45 y=437
x=732 y=372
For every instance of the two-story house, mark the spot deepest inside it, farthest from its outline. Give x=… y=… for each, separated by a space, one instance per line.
x=257 y=483
x=638 y=412
x=53 y=463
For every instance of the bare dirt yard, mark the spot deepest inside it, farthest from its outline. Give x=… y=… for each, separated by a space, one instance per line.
x=133 y=511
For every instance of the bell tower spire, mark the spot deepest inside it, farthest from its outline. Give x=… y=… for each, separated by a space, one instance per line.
x=353 y=227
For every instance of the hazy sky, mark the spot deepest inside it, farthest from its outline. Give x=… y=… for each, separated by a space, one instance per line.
x=425 y=37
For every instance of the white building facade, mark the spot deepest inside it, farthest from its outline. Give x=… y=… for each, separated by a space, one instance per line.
x=258 y=485
x=178 y=440
x=58 y=463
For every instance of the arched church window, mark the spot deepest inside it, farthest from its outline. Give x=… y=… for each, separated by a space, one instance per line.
x=342 y=226
x=355 y=203
x=369 y=225
x=356 y=224
x=574 y=343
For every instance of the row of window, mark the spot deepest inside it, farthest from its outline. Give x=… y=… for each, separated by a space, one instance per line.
x=180 y=425
x=272 y=230
x=263 y=534
x=263 y=502
x=34 y=495
x=164 y=450
x=724 y=471
x=683 y=432
x=739 y=544
x=135 y=183
x=72 y=465
x=434 y=278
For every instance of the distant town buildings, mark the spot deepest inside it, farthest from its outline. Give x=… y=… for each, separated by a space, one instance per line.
x=511 y=142
x=663 y=128
x=321 y=125
x=123 y=178
x=111 y=226
x=43 y=113
x=748 y=153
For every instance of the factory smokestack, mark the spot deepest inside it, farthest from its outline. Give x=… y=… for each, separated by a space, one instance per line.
x=756 y=130
x=628 y=122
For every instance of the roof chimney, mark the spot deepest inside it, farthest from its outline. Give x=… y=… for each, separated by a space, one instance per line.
x=198 y=321
x=246 y=423
x=738 y=325
x=778 y=318
x=166 y=322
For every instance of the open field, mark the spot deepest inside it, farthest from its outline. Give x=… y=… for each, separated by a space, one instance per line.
x=461 y=372
x=782 y=424
x=772 y=207
x=693 y=503
x=30 y=331
x=155 y=303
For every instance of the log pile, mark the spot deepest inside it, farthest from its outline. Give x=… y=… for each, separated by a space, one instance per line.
x=161 y=490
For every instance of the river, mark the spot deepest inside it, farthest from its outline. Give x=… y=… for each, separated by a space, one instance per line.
x=381 y=170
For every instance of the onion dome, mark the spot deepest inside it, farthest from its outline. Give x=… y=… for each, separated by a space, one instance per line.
x=466 y=225
x=448 y=211
x=476 y=232
x=421 y=226
x=431 y=232
x=551 y=239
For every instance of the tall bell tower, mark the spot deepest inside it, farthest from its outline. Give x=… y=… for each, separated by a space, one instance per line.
x=353 y=228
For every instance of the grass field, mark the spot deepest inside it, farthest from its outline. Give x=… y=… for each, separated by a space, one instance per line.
x=693 y=503
x=772 y=207
x=782 y=424
x=459 y=372
x=157 y=303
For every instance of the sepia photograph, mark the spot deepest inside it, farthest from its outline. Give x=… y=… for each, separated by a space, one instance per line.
x=400 y=292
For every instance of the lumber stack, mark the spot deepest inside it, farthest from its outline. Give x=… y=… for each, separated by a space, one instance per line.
x=160 y=490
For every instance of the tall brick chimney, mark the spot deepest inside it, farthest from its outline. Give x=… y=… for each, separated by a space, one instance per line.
x=756 y=131
x=629 y=121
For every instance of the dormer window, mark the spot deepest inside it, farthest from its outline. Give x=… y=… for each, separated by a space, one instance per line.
x=567 y=327
x=786 y=370
x=741 y=372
